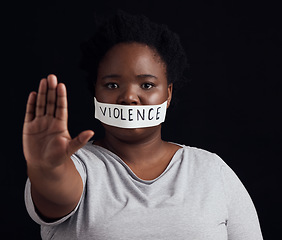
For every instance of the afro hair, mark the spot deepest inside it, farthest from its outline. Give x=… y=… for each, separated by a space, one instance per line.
x=126 y=28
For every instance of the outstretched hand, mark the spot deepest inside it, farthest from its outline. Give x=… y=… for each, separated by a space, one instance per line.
x=46 y=139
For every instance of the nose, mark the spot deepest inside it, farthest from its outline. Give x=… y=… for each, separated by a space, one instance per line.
x=128 y=96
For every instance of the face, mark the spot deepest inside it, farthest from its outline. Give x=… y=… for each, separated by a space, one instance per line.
x=132 y=74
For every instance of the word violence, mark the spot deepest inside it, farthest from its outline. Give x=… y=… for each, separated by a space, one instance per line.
x=131 y=114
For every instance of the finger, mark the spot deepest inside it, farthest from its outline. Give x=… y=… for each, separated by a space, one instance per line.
x=41 y=98
x=62 y=103
x=79 y=141
x=30 y=107
x=51 y=94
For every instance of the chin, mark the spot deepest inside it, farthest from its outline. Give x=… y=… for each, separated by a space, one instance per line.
x=131 y=135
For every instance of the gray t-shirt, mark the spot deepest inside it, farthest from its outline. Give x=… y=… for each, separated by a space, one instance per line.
x=197 y=197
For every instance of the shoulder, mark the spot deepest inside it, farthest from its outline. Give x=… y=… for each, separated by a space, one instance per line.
x=201 y=158
x=202 y=164
x=96 y=158
x=91 y=152
x=208 y=165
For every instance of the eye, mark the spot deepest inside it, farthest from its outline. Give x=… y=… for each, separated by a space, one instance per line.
x=147 y=86
x=111 y=85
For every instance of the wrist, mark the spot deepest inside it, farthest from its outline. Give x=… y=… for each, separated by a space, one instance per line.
x=47 y=171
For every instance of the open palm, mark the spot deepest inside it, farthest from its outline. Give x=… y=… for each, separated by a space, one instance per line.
x=46 y=139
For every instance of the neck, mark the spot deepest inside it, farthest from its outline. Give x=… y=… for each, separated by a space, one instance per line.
x=142 y=150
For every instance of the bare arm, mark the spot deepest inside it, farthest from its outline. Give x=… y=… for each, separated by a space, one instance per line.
x=56 y=184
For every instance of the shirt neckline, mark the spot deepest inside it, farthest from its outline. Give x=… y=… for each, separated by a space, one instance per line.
x=133 y=175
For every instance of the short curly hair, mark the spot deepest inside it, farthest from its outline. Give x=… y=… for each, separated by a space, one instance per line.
x=126 y=28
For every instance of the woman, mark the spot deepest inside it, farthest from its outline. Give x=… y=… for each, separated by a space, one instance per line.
x=130 y=184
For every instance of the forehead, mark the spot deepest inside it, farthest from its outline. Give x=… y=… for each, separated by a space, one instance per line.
x=134 y=57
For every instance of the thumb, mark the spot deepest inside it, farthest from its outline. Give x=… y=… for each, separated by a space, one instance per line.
x=79 y=141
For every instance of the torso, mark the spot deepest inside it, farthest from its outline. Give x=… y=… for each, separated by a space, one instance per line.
x=180 y=203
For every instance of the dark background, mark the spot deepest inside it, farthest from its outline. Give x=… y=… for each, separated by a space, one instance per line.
x=232 y=105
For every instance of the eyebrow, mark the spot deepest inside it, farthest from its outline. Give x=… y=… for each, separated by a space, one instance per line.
x=146 y=76
x=111 y=76
x=138 y=76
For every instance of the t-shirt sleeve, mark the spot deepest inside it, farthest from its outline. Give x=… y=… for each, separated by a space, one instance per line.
x=242 y=223
x=31 y=207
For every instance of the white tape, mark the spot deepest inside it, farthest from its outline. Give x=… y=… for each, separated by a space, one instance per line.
x=130 y=116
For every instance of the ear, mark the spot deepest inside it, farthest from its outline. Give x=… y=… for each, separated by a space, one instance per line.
x=169 y=94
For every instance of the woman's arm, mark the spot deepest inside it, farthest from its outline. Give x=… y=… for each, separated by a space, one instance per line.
x=56 y=186
x=243 y=222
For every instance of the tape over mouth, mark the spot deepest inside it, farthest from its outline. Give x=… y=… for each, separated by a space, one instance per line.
x=130 y=116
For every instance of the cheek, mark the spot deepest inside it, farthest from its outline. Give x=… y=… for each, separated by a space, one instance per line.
x=158 y=96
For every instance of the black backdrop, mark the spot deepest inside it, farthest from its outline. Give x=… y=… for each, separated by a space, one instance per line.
x=232 y=105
